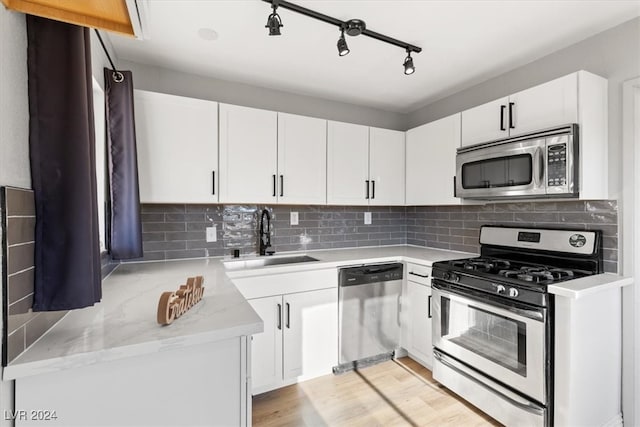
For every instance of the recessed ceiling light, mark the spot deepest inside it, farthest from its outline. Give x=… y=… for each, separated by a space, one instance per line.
x=207 y=34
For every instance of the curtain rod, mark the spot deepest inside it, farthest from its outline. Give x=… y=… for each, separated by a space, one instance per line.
x=117 y=75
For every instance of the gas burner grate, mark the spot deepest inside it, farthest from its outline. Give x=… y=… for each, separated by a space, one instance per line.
x=481 y=264
x=537 y=274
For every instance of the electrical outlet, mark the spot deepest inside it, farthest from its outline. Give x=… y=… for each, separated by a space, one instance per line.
x=212 y=234
x=367 y=218
x=294 y=218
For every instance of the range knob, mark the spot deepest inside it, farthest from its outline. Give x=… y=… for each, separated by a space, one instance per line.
x=501 y=289
x=454 y=277
x=446 y=276
x=513 y=292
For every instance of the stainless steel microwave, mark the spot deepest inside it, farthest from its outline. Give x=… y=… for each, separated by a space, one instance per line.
x=536 y=165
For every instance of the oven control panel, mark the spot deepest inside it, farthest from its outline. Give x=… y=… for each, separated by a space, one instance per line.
x=461 y=280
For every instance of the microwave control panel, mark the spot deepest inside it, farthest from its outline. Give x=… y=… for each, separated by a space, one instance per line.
x=557 y=165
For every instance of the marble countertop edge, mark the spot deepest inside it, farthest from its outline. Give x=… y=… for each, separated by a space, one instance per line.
x=59 y=363
x=589 y=285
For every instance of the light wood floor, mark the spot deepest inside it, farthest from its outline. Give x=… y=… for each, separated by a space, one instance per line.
x=393 y=393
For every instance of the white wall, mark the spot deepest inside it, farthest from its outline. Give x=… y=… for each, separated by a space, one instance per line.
x=177 y=83
x=14 y=128
x=14 y=107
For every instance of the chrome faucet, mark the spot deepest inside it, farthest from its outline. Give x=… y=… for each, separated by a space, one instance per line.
x=265 y=234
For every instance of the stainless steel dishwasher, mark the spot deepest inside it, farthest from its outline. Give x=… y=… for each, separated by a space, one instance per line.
x=368 y=317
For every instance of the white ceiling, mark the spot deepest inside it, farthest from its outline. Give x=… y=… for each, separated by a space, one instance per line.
x=463 y=42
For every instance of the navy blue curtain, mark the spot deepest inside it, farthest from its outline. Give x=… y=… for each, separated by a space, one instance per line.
x=125 y=228
x=62 y=156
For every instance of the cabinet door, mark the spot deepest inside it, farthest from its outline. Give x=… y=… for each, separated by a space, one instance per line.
x=266 y=347
x=431 y=162
x=485 y=122
x=386 y=167
x=310 y=333
x=420 y=331
x=248 y=155
x=347 y=164
x=550 y=104
x=177 y=143
x=302 y=160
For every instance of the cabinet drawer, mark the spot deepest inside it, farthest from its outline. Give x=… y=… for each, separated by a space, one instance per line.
x=419 y=274
x=287 y=283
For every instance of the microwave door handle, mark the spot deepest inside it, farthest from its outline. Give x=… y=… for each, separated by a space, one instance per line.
x=538 y=167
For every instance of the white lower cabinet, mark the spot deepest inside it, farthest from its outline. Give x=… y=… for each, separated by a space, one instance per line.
x=300 y=338
x=266 y=347
x=203 y=384
x=416 y=316
x=310 y=345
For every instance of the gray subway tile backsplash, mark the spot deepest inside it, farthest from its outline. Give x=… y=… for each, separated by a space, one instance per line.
x=178 y=231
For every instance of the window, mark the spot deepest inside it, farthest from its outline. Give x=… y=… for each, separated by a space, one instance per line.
x=101 y=177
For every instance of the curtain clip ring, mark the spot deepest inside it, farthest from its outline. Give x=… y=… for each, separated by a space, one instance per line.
x=117 y=76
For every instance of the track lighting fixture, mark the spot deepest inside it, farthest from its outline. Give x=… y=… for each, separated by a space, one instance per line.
x=352 y=27
x=274 y=22
x=343 y=49
x=408 y=64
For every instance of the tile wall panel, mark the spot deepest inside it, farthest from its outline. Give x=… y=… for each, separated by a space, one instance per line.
x=178 y=231
x=457 y=227
x=22 y=325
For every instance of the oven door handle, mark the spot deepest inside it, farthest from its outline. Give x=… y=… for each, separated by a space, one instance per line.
x=495 y=388
x=465 y=298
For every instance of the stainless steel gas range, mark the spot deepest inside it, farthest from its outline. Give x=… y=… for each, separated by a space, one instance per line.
x=493 y=318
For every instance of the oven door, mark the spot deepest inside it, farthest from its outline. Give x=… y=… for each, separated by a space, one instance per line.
x=505 y=343
x=506 y=169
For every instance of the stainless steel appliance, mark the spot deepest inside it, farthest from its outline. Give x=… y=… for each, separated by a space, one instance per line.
x=369 y=324
x=541 y=164
x=493 y=318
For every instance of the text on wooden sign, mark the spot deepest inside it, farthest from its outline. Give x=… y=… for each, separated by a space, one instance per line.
x=174 y=304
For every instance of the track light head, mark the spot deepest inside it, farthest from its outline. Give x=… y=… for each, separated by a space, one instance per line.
x=274 y=22
x=343 y=49
x=408 y=64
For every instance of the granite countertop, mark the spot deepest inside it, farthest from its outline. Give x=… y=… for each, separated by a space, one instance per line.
x=124 y=323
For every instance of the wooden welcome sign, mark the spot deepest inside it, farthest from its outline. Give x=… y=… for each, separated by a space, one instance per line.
x=174 y=304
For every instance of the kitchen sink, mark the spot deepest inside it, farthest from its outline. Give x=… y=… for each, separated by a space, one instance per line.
x=265 y=262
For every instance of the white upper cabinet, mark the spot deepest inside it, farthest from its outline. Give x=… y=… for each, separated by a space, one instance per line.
x=177 y=143
x=386 y=167
x=431 y=162
x=347 y=164
x=302 y=160
x=580 y=97
x=486 y=122
x=248 y=155
x=365 y=166
x=543 y=106
x=553 y=103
